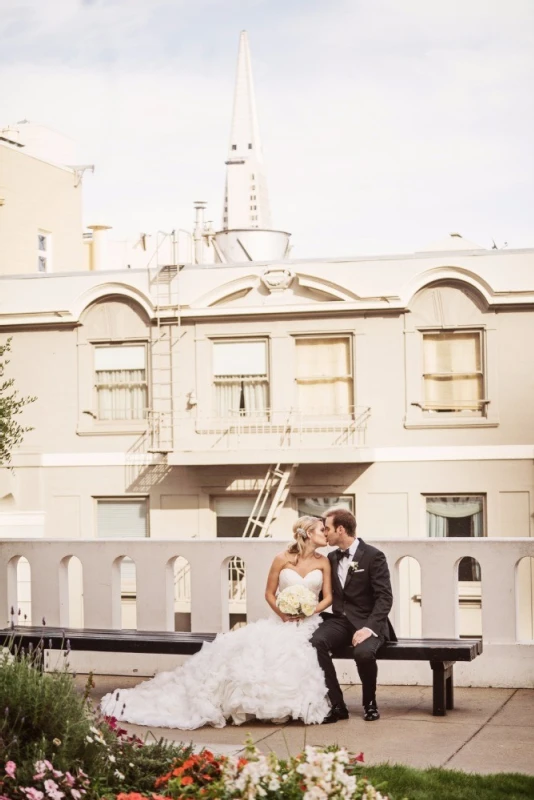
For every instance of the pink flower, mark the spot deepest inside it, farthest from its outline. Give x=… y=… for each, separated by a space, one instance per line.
x=11 y=769
x=52 y=790
x=71 y=780
x=32 y=794
x=76 y=794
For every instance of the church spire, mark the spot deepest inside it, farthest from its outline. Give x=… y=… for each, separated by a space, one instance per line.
x=246 y=204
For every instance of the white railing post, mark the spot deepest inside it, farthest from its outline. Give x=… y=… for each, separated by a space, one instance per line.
x=155 y=594
x=498 y=599
x=209 y=596
x=439 y=592
x=45 y=586
x=101 y=589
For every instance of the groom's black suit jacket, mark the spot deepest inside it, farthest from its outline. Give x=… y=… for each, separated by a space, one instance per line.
x=366 y=598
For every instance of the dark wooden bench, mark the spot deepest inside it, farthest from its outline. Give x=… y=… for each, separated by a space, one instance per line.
x=440 y=653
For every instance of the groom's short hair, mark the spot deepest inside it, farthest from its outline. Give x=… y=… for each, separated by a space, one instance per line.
x=342 y=516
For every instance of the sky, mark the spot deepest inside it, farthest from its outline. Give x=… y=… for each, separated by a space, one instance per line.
x=386 y=124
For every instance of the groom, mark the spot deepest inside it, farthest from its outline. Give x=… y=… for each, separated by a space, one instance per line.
x=362 y=599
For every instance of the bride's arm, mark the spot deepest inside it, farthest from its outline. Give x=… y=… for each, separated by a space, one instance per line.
x=272 y=584
x=327 y=587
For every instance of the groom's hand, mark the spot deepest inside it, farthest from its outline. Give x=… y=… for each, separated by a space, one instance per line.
x=360 y=636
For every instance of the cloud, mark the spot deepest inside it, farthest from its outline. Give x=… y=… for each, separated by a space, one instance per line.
x=384 y=124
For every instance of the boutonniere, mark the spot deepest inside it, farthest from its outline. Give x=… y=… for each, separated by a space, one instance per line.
x=355 y=567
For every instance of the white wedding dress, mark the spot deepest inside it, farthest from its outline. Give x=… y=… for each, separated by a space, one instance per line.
x=267 y=670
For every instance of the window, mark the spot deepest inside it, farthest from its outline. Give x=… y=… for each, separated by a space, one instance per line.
x=253 y=208
x=232 y=514
x=234 y=147
x=452 y=372
x=123 y=518
x=240 y=377
x=461 y=515
x=121 y=382
x=44 y=254
x=317 y=506
x=252 y=177
x=249 y=146
x=324 y=375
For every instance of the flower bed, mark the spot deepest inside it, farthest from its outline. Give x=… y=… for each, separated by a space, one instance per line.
x=55 y=746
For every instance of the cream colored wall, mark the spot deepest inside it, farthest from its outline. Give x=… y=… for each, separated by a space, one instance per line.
x=38 y=196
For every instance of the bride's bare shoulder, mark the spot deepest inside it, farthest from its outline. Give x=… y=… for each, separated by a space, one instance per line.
x=324 y=563
x=280 y=559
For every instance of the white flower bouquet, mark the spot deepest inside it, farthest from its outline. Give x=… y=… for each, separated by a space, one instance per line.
x=297 y=601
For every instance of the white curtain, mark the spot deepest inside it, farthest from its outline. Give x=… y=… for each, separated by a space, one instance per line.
x=324 y=375
x=452 y=367
x=242 y=395
x=317 y=506
x=440 y=509
x=122 y=394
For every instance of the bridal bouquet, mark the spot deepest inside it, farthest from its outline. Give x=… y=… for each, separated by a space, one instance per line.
x=297 y=601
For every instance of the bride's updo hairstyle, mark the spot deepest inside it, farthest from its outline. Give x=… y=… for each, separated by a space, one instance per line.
x=301 y=532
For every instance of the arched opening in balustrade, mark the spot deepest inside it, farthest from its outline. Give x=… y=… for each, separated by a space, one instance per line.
x=19 y=591
x=525 y=598
x=409 y=598
x=182 y=594
x=72 y=599
x=128 y=587
x=23 y=609
x=469 y=577
x=237 y=592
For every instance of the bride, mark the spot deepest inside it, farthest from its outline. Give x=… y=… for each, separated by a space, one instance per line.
x=267 y=670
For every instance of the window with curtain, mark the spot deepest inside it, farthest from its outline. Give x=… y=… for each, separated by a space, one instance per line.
x=240 y=377
x=324 y=375
x=318 y=506
x=116 y=519
x=121 y=382
x=452 y=372
x=461 y=515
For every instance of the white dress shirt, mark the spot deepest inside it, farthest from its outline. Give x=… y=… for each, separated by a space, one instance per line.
x=344 y=563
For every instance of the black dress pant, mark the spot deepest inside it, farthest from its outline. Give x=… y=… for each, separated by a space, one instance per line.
x=335 y=632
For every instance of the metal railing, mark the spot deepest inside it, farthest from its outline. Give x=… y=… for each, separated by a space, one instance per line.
x=272 y=428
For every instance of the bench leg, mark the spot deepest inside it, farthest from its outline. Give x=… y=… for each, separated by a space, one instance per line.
x=449 y=689
x=439 y=704
x=442 y=687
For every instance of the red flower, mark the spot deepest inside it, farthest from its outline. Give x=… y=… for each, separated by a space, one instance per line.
x=359 y=757
x=187 y=781
x=178 y=771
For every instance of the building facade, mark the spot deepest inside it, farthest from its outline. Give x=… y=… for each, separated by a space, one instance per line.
x=227 y=394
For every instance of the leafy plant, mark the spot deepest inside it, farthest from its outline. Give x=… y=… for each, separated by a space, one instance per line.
x=11 y=405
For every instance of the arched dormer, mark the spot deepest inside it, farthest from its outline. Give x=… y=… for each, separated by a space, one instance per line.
x=450 y=351
x=113 y=349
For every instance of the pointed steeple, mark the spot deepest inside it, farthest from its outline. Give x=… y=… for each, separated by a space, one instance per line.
x=246 y=203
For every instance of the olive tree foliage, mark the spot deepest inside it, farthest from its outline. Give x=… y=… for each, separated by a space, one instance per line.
x=11 y=405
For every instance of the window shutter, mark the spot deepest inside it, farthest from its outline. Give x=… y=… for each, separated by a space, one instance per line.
x=120 y=358
x=239 y=358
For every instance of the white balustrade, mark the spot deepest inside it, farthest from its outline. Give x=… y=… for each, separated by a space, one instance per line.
x=206 y=581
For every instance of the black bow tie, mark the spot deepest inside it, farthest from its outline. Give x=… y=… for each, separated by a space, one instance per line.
x=342 y=554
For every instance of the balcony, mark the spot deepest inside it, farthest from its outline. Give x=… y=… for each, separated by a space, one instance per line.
x=208 y=593
x=263 y=437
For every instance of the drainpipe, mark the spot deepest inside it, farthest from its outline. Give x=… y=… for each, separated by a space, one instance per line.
x=198 y=245
x=99 y=254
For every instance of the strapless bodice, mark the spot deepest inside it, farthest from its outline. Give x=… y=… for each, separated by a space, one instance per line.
x=289 y=577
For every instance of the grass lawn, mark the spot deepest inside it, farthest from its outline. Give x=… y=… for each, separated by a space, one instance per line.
x=442 y=784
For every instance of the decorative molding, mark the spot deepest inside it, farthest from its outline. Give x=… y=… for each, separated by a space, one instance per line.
x=277 y=279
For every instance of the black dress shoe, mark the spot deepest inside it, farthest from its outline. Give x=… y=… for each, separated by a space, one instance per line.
x=335 y=714
x=371 y=713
